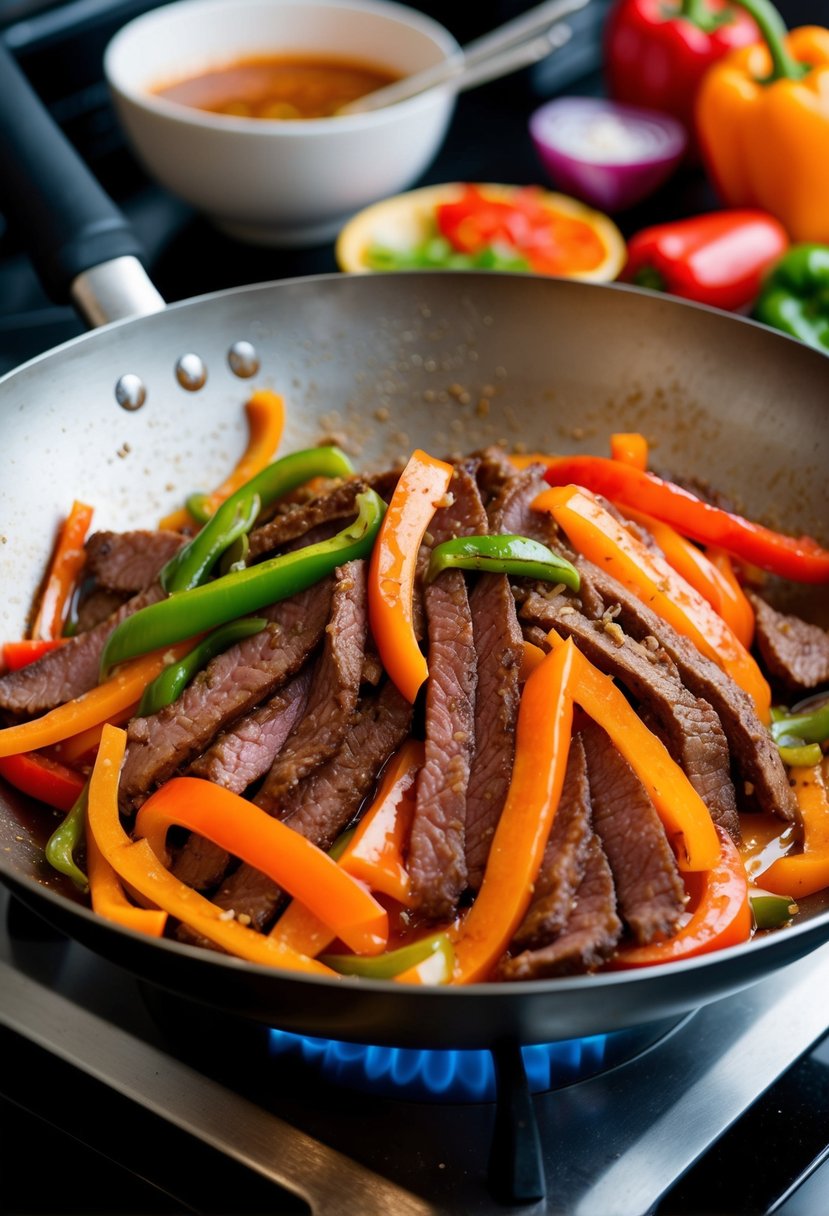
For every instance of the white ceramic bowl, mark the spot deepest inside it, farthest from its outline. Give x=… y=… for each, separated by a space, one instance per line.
x=270 y=181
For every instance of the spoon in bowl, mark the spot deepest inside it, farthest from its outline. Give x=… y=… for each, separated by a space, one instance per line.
x=516 y=44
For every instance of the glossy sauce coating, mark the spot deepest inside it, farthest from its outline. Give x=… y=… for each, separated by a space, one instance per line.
x=279 y=87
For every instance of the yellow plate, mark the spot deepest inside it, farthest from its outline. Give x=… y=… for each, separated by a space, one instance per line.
x=406 y=220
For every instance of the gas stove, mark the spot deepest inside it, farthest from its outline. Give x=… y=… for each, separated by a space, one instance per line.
x=118 y=1098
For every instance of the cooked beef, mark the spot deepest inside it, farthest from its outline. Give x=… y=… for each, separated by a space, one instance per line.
x=565 y=857
x=297 y=520
x=649 y=888
x=494 y=469
x=511 y=511
x=794 y=652
x=590 y=935
x=333 y=694
x=95 y=604
x=66 y=672
x=691 y=730
x=437 y=851
x=322 y=806
x=129 y=561
x=233 y=683
x=237 y=758
x=498 y=648
x=753 y=751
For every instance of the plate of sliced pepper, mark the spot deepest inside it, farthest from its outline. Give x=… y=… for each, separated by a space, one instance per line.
x=483 y=226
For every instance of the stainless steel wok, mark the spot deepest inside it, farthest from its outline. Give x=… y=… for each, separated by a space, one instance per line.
x=447 y=361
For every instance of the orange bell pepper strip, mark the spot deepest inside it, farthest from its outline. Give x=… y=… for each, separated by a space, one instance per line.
x=533 y=657
x=269 y=845
x=67 y=562
x=108 y=898
x=98 y=705
x=83 y=746
x=43 y=778
x=684 y=815
x=422 y=484
x=22 y=653
x=542 y=740
x=736 y=606
x=801 y=874
x=762 y=117
x=375 y=852
x=139 y=868
x=601 y=538
x=721 y=916
x=265 y=412
x=800 y=559
x=631 y=448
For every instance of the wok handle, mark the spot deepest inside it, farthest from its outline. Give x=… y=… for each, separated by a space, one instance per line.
x=66 y=221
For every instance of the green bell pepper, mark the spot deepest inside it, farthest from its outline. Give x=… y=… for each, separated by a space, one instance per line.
x=516 y=555
x=241 y=592
x=66 y=839
x=794 y=296
x=394 y=962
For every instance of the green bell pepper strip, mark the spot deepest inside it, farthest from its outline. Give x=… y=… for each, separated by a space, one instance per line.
x=66 y=839
x=169 y=685
x=516 y=555
x=194 y=562
x=770 y=911
x=387 y=966
x=245 y=591
x=810 y=728
x=794 y=297
x=197 y=505
x=800 y=755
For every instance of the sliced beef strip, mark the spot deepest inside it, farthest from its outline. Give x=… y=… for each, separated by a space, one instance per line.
x=299 y=519
x=437 y=852
x=129 y=561
x=753 y=751
x=589 y=937
x=649 y=888
x=794 y=652
x=323 y=805
x=333 y=694
x=95 y=604
x=235 y=760
x=564 y=860
x=691 y=730
x=70 y=670
x=232 y=684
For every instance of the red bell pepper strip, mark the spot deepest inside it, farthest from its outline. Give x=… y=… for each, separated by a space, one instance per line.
x=44 y=779
x=684 y=815
x=28 y=650
x=721 y=917
x=805 y=873
x=265 y=411
x=542 y=740
x=140 y=870
x=800 y=559
x=601 y=538
x=656 y=52
x=719 y=258
x=293 y=862
x=421 y=486
x=66 y=564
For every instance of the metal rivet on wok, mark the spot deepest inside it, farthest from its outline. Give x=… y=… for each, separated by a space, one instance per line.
x=130 y=392
x=243 y=360
x=191 y=373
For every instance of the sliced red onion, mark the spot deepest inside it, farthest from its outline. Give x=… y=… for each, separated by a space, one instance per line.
x=606 y=153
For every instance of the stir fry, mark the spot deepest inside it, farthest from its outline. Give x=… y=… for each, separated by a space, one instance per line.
x=491 y=718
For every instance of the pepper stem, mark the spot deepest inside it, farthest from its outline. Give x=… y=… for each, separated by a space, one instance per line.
x=773 y=30
x=702 y=16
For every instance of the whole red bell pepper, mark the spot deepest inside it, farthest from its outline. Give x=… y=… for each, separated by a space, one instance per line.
x=657 y=51
x=719 y=258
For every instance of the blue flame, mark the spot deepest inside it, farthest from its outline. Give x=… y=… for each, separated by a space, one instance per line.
x=442 y=1076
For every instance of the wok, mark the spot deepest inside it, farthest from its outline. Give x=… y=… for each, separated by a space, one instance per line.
x=560 y=365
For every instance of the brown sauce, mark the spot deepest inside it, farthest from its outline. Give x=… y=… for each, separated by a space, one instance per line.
x=279 y=87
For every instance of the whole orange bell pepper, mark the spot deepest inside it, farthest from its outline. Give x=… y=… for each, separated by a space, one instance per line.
x=762 y=120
